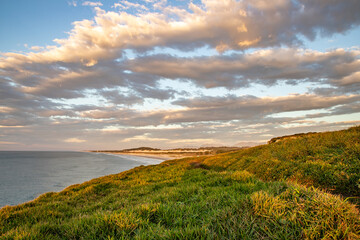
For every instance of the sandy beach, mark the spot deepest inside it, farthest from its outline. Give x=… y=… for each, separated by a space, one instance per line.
x=155 y=156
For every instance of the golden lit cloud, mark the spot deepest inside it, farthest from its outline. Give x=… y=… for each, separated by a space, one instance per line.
x=74 y=140
x=8 y=143
x=4 y=109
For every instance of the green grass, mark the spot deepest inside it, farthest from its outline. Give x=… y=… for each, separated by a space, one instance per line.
x=330 y=161
x=250 y=194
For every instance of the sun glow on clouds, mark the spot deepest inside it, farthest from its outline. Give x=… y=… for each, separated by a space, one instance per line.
x=185 y=73
x=74 y=140
x=7 y=143
x=2 y=126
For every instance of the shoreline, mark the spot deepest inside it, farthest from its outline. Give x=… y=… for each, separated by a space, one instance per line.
x=65 y=176
x=170 y=154
x=163 y=157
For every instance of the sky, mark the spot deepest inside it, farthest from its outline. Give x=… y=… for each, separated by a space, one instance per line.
x=80 y=75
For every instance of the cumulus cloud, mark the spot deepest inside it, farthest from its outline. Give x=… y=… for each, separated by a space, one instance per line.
x=220 y=24
x=352 y=79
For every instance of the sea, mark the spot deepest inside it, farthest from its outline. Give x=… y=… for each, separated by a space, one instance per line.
x=26 y=175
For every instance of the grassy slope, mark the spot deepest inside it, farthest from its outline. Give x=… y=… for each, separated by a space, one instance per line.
x=330 y=161
x=241 y=195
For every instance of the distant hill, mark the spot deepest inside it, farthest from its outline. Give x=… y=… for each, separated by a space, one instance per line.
x=129 y=149
x=289 y=189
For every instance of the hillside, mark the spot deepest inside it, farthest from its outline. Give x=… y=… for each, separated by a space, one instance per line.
x=330 y=161
x=282 y=190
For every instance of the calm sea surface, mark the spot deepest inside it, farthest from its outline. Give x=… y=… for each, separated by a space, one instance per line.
x=26 y=175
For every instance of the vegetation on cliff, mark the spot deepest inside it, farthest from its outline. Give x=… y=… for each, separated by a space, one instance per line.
x=283 y=190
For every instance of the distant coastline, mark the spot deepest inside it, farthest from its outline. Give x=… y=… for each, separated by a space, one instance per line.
x=148 y=155
x=169 y=154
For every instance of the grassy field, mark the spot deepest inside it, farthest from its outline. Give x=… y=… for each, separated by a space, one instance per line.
x=297 y=188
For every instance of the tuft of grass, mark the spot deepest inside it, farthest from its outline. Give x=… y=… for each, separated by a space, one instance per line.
x=301 y=208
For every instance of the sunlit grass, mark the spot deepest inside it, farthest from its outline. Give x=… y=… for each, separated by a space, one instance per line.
x=330 y=161
x=250 y=194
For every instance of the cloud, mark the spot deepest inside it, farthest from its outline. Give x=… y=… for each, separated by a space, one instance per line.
x=228 y=108
x=219 y=24
x=3 y=142
x=74 y=140
x=126 y=5
x=250 y=107
x=267 y=67
x=72 y=3
x=92 y=4
x=352 y=79
x=105 y=84
x=4 y=109
x=36 y=48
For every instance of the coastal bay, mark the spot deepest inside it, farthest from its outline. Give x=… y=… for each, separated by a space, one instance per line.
x=24 y=175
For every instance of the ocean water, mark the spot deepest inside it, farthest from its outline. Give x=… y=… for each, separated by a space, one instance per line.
x=26 y=175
